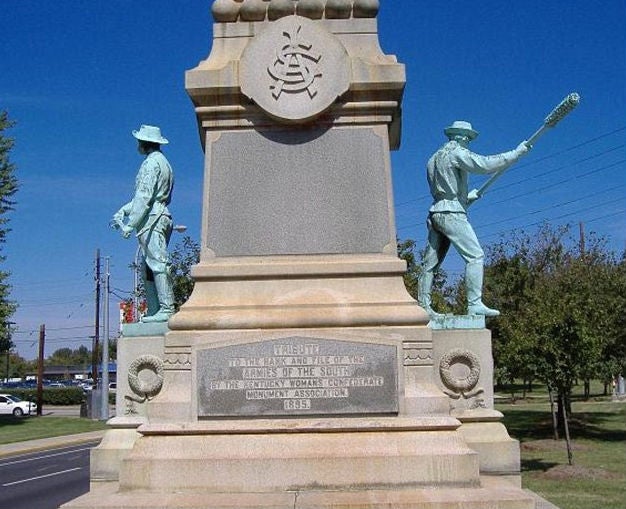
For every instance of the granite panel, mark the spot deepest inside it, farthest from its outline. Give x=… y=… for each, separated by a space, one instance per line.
x=298 y=192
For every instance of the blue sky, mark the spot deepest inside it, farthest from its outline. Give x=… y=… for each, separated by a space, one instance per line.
x=79 y=76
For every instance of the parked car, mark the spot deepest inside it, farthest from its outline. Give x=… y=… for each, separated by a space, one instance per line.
x=10 y=404
x=10 y=385
x=57 y=385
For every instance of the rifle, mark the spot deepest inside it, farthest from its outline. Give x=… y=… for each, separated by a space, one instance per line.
x=556 y=115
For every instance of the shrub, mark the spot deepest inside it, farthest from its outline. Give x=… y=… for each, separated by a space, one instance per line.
x=52 y=396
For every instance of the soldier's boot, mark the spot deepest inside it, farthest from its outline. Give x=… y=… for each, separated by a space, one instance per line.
x=474 y=287
x=165 y=295
x=424 y=291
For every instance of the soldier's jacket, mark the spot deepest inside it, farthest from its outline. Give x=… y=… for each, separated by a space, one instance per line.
x=153 y=192
x=448 y=174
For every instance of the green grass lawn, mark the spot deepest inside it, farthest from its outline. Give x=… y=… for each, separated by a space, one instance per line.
x=31 y=428
x=597 y=478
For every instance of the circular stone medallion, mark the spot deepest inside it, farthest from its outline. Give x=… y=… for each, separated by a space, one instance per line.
x=294 y=70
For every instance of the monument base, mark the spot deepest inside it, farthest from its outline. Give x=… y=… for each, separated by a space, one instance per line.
x=275 y=455
x=365 y=463
x=106 y=458
x=445 y=449
x=499 y=454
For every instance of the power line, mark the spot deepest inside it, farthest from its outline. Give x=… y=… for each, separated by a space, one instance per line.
x=54 y=282
x=52 y=303
x=121 y=290
x=459 y=273
x=537 y=223
x=573 y=178
x=623 y=211
x=554 y=218
x=65 y=281
x=570 y=149
x=545 y=209
x=547 y=157
x=69 y=338
x=549 y=186
x=78 y=327
x=567 y=166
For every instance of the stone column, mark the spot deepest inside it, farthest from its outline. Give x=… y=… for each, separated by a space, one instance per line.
x=297 y=117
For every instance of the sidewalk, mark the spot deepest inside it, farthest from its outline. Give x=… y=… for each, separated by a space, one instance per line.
x=61 y=411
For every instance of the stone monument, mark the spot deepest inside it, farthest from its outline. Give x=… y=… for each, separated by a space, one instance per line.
x=300 y=373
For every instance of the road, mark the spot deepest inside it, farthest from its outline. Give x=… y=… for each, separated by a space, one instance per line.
x=46 y=479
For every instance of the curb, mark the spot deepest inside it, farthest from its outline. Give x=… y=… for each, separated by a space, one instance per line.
x=49 y=443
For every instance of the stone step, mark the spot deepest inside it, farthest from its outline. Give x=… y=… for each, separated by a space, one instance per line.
x=502 y=496
x=382 y=453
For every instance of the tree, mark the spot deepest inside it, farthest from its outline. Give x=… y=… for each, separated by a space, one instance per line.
x=18 y=366
x=185 y=254
x=8 y=188
x=509 y=284
x=562 y=308
x=442 y=293
x=112 y=352
x=69 y=357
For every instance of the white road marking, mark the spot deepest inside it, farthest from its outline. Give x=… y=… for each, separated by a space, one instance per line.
x=40 y=477
x=2 y=464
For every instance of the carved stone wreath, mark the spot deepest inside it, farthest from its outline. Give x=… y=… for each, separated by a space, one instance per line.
x=140 y=387
x=459 y=384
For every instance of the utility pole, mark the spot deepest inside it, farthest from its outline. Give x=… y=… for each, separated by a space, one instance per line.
x=104 y=414
x=42 y=340
x=8 y=331
x=581 y=228
x=95 y=342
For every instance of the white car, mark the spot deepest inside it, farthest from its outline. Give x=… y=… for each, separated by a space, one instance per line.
x=10 y=404
x=56 y=385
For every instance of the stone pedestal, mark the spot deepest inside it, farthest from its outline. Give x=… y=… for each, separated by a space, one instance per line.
x=464 y=372
x=139 y=353
x=300 y=373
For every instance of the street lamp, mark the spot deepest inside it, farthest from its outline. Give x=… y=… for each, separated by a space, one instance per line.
x=179 y=228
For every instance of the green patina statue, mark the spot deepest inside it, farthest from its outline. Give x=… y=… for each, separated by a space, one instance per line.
x=448 y=175
x=147 y=214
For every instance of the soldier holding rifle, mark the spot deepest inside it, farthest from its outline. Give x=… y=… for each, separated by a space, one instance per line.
x=448 y=173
